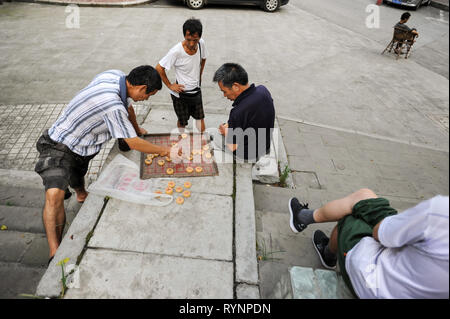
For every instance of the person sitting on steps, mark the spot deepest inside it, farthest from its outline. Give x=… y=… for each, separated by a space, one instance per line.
x=382 y=254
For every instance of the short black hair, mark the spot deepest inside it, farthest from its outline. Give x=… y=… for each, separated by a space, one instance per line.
x=193 y=26
x=230 y=73
x=405 y=16
x=145 y=75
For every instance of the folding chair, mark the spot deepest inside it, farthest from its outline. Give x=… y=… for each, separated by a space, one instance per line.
x=402 y=39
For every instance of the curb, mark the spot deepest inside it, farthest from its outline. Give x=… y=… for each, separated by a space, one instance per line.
x=92 y=3
x=439 y=5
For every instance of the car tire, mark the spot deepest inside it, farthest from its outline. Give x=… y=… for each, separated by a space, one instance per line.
x=195 y=4
x=271 y=5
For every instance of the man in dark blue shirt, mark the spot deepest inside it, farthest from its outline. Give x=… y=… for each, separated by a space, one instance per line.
x=248 y=133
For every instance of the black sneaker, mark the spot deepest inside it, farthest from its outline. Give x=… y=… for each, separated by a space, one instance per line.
x=320 y=241
x=294 y=208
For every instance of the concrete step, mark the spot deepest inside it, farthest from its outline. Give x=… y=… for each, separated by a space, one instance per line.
x=28 y=218
x=21 y=196
x=309 y=283
x=23 y=219
x=22 y=247
x=274 y=199
x=17 y=279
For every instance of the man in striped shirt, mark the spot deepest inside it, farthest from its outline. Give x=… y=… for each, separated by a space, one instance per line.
x=96 y=114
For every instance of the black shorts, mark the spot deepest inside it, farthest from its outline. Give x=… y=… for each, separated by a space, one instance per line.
x=184 y=110
x=58 y=166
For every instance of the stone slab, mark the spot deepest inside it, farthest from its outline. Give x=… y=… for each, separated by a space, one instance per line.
x=25 y=219
x=244 y=291
x=275 y=280
x=21 y=197
x=289 y=250
x=303 y=283
x=275 y=199
x=277 y=223
x=71 y=246
x=13 y=245
x=19 y=178
x=245 y=228
x=306 y=179
x=200 y=228
x=114 y=274
x=332 y=285
x=308 y=283
x=37 y=254
x=18 y=279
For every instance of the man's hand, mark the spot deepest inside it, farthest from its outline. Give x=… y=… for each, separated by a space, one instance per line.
x=165 y=151
x=141 y=145
x=142 y=131
x=174 y=87
x=175 y=153
x=223 y=128
x=177 y=87
x=375 y=231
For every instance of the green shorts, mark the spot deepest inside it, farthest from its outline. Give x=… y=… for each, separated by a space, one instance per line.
x=351 y=229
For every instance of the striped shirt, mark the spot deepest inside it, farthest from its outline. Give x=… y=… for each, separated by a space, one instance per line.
x=95 y=115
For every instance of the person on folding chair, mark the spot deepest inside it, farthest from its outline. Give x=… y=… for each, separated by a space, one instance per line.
x=401 y=25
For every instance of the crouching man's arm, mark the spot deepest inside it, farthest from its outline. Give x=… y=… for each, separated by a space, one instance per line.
x=141 y=145
x=132 y=117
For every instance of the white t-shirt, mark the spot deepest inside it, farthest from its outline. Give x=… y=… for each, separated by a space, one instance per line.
x=411 y=259
x=187 y=67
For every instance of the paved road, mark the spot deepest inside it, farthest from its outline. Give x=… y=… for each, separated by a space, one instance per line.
x=432 y=47
x=431 y=50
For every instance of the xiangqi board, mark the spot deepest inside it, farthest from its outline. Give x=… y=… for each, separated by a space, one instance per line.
x=197 y=157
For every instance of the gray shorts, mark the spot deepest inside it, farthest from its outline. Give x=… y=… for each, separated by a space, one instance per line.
x=58 y=166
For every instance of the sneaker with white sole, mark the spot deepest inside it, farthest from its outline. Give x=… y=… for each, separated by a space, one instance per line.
x=294 y=208
x=320 y=241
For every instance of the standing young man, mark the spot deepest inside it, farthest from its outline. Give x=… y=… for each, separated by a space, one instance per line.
x=96 y=114
x=188 y=58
